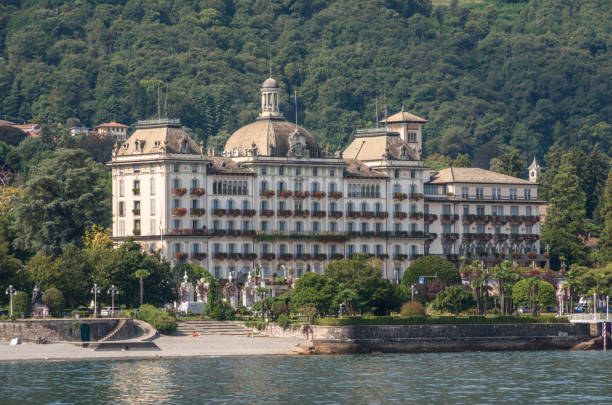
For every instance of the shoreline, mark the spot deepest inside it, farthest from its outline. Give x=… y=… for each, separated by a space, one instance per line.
x=169 y=347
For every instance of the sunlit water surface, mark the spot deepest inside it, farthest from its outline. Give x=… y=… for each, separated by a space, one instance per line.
x=556 y=377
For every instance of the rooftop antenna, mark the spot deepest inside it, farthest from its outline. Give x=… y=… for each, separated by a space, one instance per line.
x=386 y=112
x=166 y=102
x=158 y=106
x=295 y=102
x=376 y=107
x=270 y=58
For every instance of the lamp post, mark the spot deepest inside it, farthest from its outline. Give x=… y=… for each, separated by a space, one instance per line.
x=112 y=291
x=10 y=291
x=95 y=291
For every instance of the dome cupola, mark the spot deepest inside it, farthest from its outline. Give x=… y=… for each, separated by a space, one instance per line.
x=270 y=94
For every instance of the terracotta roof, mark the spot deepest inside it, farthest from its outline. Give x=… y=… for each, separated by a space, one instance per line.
x=225 y=165
x=403 y=116
x=473 y=175
x=270 y=136
x=153 y=138
x=356 y=168
x=111 y=124
x=373 y=146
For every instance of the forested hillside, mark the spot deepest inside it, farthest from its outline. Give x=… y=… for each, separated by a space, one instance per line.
x=486 y=74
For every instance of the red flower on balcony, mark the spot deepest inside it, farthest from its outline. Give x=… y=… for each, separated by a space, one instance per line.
x=320 y=256
x=220 y=256
x=179 y=211
x=197 y=191
x=429 y=218
x=248 y=213
x=179 y=191
x=318 y=214
x=268 y=193
x=176 y=231
x=400 y=215
x=416 y=215
x=197 y=211
x=335 y=194
x=219 y=212
x=198 y=256
x=302 y=213
x=382 y=215
x=335 y=214
x=285 y=193
x=266 y=213
x=354 y=214
x=400 y=196
x=286 y=256
x=284 y=213
x=181 y=255
x=248 y=232
x=268 y=256
x=416 y=196
x=318 y=194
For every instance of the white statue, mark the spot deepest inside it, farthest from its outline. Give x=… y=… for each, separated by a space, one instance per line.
x=187 y=290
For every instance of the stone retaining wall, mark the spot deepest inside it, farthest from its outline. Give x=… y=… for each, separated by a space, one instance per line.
x=433 y=338
x=57 y=330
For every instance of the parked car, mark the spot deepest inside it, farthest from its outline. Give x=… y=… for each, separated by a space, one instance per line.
x=109 y=311
x=580 y=308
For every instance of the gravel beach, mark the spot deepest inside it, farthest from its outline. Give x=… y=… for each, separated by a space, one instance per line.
x=170 y=347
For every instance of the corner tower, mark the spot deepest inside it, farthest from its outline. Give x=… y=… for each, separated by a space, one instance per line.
x=534 y=171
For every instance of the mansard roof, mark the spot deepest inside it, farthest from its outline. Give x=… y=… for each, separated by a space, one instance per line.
x=225 y=165
x=357 y=169
x=378 y=144
x=159 y=136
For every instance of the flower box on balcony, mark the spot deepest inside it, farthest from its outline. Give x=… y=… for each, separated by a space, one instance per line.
x=469 y=218
x=367 y=214
x=234 y=232
x=136 y=191
x=547 y=255
x=286 y=256
x=400 y=196
x=400 y=215
x=179 y=191
x=136 y=211
x=382 y=215
x=234 y=212
x=302 y=213
x=136 y=232
x=303 y=256
x=234 y=256
x=516 y=255
x=219 y=232
x=353 y=214
x=515 y=219
x=501 y=236
x=284 y=213
x=429 y=218
x=449 y=217
x=532 y=219
x=219 y=212
x=197 y=191
x=318 y=194
x=176 y=231
x=179 y=211
x=320 y=256
x=186 y=231
x=220 y=256
x=400 y=257
x=181 y=255
x=450 y=236
x=248 y=213
x=532 y=255
x=197 y=211
x=335 y=194
x=416 y=196
x=416 y=215
x=197 y=231
x=318 y=214
x=266 y=213
x=532 y=237
x=302 y=194
x=337 y=256
x=198 y=256
x=268 y=193
x=335 y=214
x=250 y=256
x=285 y=193
x=382 y=256
x=268 y=256
x=248 y=232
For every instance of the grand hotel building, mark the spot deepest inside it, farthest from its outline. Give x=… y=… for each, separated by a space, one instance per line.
x=274 y=201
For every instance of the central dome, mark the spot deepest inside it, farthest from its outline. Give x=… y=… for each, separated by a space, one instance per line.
x=271 y=134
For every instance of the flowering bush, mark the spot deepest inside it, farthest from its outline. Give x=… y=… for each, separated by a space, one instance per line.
x=179 y=191
x=180 y=211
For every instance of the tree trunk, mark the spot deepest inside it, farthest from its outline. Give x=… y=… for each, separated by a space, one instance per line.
x=141 y=290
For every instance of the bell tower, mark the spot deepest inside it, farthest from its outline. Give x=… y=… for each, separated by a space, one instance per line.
x=534 y=171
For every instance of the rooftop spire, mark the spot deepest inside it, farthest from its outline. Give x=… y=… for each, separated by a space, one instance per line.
x=270 y=59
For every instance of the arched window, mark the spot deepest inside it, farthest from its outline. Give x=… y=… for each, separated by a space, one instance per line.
x=377 y=191
x=230 y=204
x=397 y=188
x=245 y=188
x=215 y=204
x=362 y=194
x=245 y=204
x=280 y=186
x=349 y=207
x=263 y=186
x=234 y=188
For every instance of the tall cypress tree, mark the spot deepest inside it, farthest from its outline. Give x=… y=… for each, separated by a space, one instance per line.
x=566 y=218
x=604 y=253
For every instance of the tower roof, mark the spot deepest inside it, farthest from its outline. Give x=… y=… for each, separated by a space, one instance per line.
x=270 y=83
x=534 y=164
x=403 y=116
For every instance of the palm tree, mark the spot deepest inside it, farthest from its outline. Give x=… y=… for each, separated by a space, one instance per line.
x=262 y=292
x=142 y=274
x=505 y=275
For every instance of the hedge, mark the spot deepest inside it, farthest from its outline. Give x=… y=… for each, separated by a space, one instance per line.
x=438 y=320
x=161 y=320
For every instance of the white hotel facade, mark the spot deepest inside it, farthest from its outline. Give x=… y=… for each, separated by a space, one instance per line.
x=273 y=199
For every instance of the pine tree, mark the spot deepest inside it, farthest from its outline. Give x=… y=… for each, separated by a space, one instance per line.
x=596 y=168
x=604 y=253
x=566 y=218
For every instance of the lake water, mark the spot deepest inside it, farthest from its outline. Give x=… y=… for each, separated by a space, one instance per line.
x=554 y=377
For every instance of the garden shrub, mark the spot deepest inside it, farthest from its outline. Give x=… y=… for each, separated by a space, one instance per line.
x=159 y=319
x=284 y=321
x=412 y=309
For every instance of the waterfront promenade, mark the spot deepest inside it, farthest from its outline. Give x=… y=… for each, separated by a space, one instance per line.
x=169 y=347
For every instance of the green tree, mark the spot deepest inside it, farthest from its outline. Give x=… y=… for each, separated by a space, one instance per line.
x=430 y=265
x=565 y=217
x=462 y=160
x=506 y=277
x=64 y=195
x=604 y=246
x=533 y=292
x=141 y=274
x=455 y=299
x=54 y=300
x=510 y=163
x=314 y=290
x=21 y=304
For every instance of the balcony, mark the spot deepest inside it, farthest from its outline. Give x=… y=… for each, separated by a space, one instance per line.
x=266 y=213
x=198 y=255
x=335 y=214
x=136 y=232
x=219 y=212
x=302 y=194
x=249 y=256
x=400 y=196
x=416 y=215
x=336 y=256
x=319 y=256
x=450 y=236
x=430 y=218
x=449 y=218
x=285 y=193
x=248 y=213
x=286 y=256
x=179 y=191
x=303 y=256
x=318 y=214
x=179 y=212
x=353 y=214
x=198 y=192
x=381 y=215
x=136 y=211
x=181 y=256
x=233 y=212
x=267 y=193
x=302 y=213
x=400 y=215
x=335 y=194
x=318 y=194
x=268 y=256
x=416 y=196
x=382 y=256
x=198 y=212
x=478 y=236
x=284 y=213
x=219 y=255
x=400 y=257
x=136 y=191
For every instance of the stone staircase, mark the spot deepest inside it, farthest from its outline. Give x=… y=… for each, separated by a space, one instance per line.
x=226 y=328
